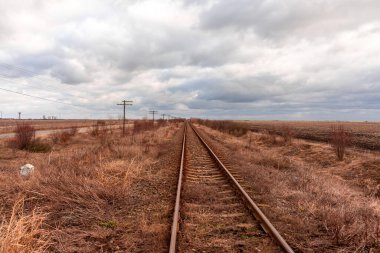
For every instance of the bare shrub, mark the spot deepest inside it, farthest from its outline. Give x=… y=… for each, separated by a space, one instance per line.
x=340 y=139
x=73 y=131
x=226 y=126
x=95 y=130
x=142 y=125
x=161 y=123
x=287 y=134
x=269 y=137
x=25 y=139
x=64 y=137
x=54 y=137
x=145 y=143
x=39 y=146
x=25 y=133
x=60 y=137
x=103 y=133
x=249 y=140
x=99 y=128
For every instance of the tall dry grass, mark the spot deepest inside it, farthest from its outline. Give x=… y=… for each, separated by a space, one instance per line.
x=142 y=125
x=316 y=212
x=226 y=126
x=63 y=136
x=24 y=233
x=84 y=194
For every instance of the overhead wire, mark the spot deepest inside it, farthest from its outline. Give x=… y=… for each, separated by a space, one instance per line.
x=21 y=69
x=55 y=101
x=33 y=96
x=34 y=76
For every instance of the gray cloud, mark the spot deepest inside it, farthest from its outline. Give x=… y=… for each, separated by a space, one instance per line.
x=239 y=59
x=71 y=72
x=289 y=18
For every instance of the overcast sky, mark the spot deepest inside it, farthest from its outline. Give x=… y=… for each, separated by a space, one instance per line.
x=238 y=59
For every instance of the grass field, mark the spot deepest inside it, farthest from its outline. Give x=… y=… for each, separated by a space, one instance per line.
x=319 y=204
x=97 y=191
x=93 y=192
x=363 y=134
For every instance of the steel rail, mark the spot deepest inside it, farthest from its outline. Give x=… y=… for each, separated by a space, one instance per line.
x=259 y=215
x=175 y=225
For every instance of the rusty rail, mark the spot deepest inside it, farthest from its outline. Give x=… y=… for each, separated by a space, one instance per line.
x=175 y=225
x=259 y=215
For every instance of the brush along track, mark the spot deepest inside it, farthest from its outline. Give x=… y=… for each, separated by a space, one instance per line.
x=214 y=218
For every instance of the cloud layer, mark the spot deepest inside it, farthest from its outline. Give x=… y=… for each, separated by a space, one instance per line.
x=245 y=59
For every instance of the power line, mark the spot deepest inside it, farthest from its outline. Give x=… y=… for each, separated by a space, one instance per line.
x=153 y=112
x=125 y=103
x=22 y=69
x=33 y=96
x=4 y=77
x=56 y=101
x=32 y=75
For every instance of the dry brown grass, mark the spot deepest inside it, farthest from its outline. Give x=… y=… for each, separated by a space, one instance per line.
x=60 y=137
x=226 y=126
x=23 y=233
x=314 y=209
x=268 y=137
x=8 y=126
x=363 y=134
x=86 y=191
x=142 y=125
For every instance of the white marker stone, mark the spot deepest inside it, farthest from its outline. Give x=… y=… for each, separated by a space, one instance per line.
x=26 y=170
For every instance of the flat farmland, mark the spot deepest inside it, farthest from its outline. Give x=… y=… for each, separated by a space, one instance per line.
x=105 y=191
x=363 y=134
x=9 y=125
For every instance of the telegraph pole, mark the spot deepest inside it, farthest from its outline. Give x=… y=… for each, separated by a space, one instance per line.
x=19 y=115
x=163 y=116
x=124 y=104
x=153 y=112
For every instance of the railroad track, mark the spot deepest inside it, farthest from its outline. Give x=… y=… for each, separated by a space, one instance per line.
x=213 y=213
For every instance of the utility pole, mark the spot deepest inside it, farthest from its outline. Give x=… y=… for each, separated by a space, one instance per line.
x=163 y=116
x=153 y=112
x=19 y=115
x=124 y=104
